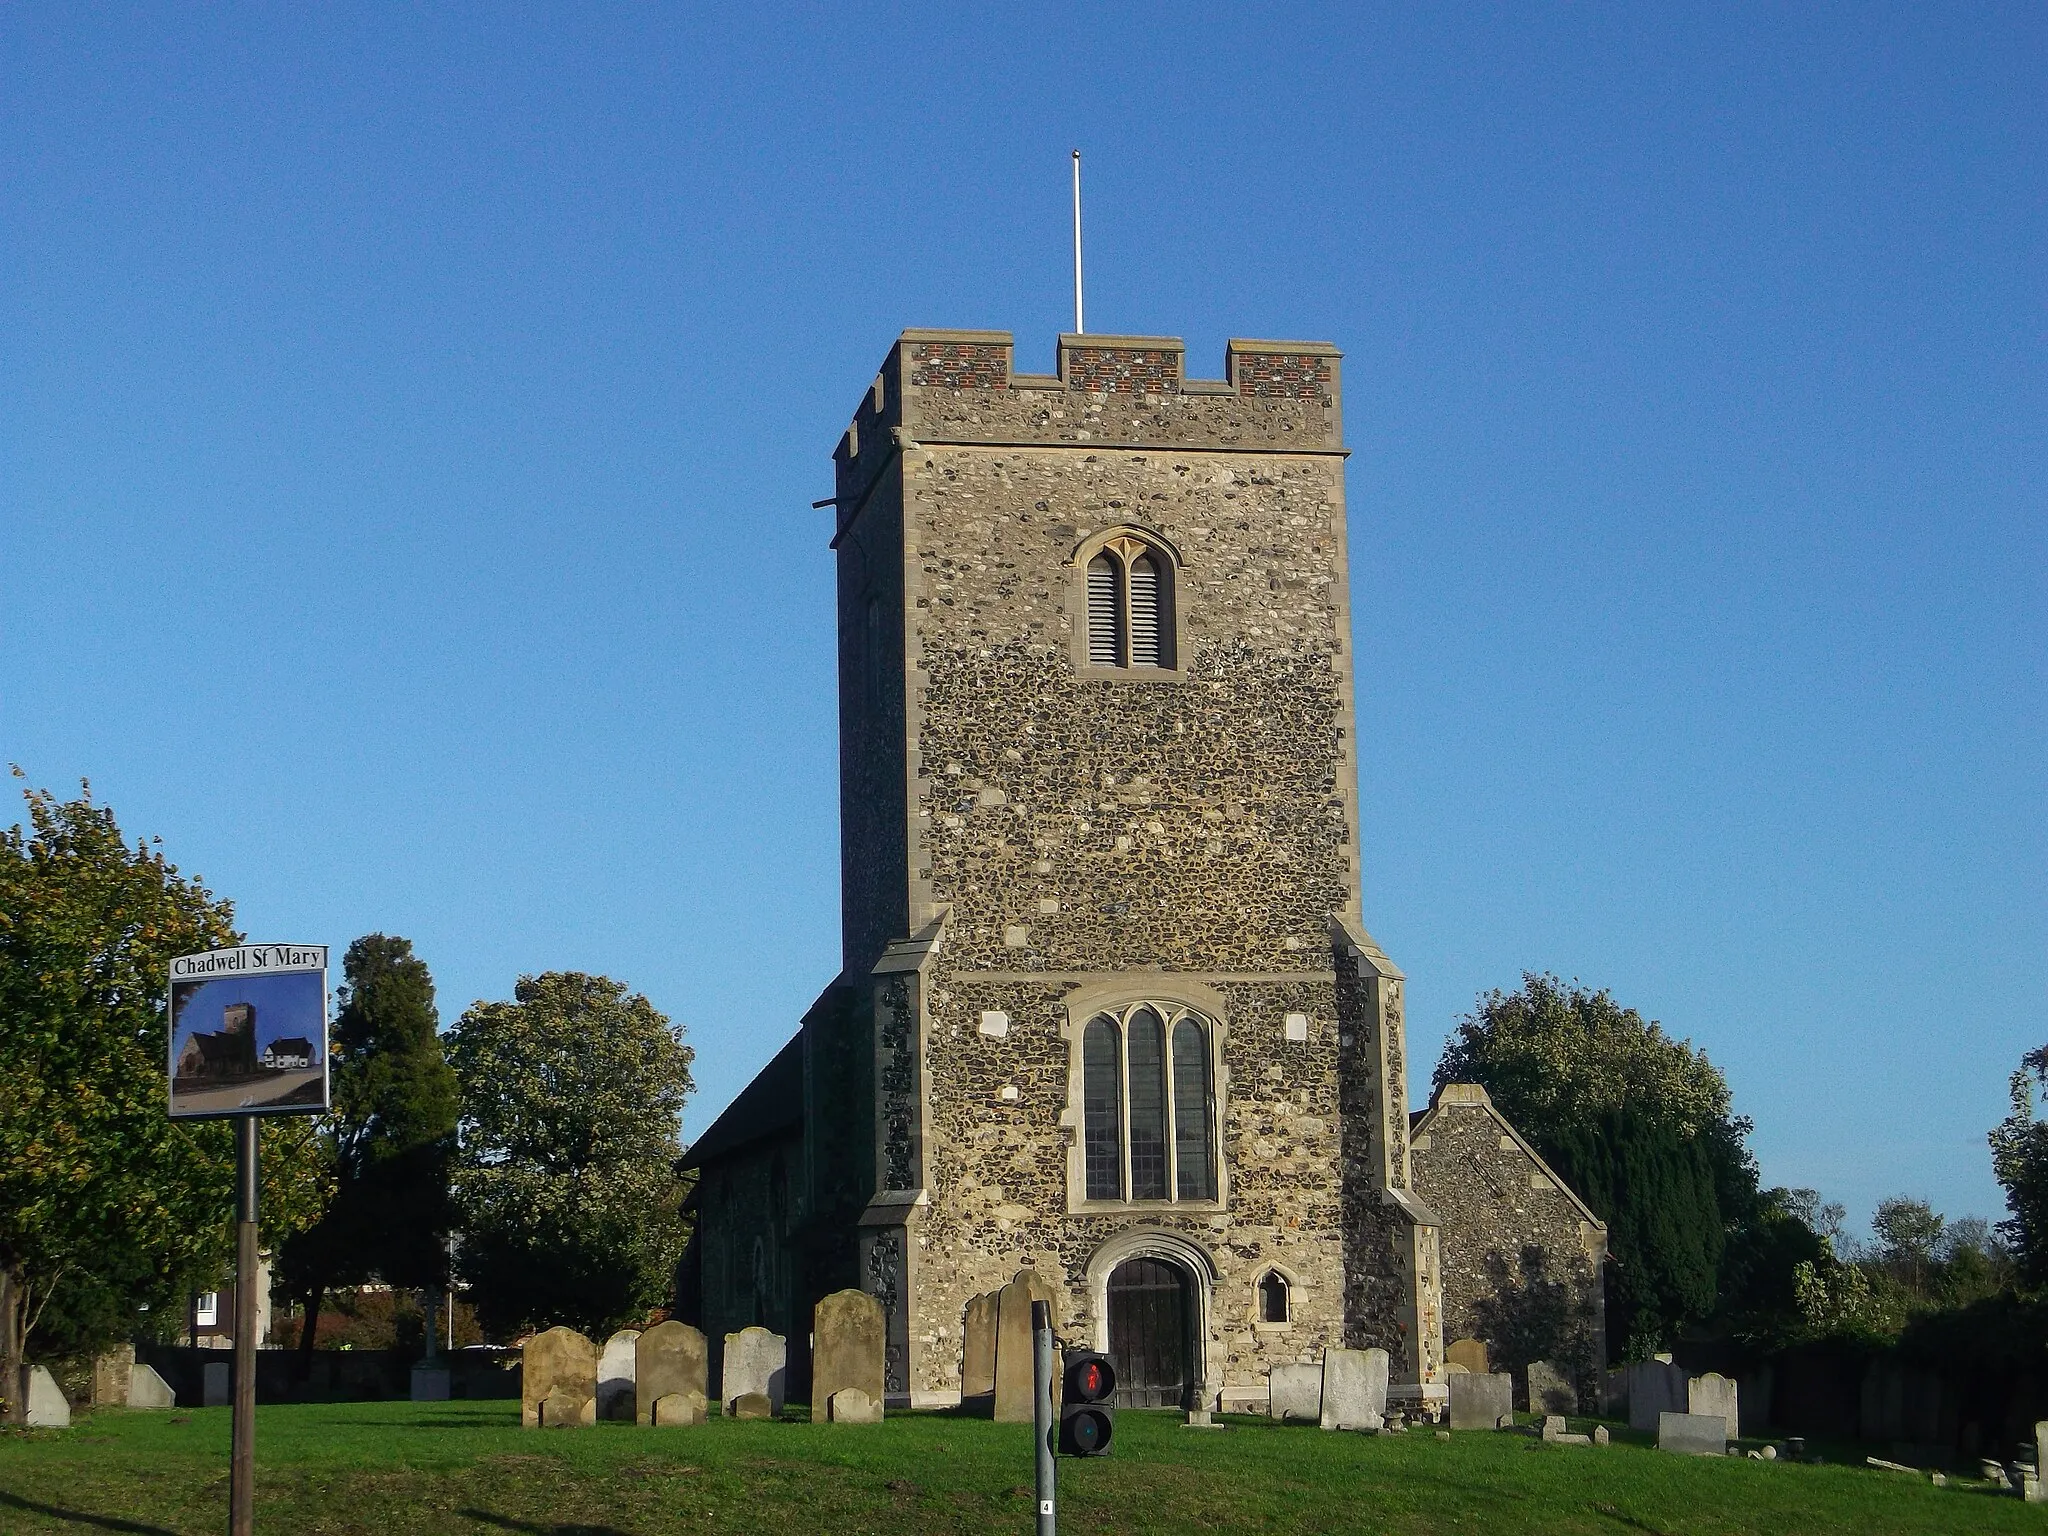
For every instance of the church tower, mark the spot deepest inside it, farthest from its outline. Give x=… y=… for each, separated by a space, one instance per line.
x=1109 y=1009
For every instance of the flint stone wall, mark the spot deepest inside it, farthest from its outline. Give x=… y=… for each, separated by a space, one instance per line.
x=1521 y=1262
x=1072 y=828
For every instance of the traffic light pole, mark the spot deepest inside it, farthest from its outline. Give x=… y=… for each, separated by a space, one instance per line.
x=1041 y=1412
x=242 y=1465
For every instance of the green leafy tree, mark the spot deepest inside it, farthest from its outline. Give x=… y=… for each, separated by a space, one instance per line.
x=568 y=1198
x=1908 y=1232
x=2019 y=1160
x=389 y=1141
x=1642 y=1126
x=107 y=1206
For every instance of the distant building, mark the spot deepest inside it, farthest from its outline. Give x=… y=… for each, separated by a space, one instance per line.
x=292 y=1051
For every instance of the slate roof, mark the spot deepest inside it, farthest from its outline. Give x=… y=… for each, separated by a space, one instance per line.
x=772 y=1104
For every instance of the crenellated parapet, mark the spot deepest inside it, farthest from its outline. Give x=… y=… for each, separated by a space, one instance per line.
x=938 y=387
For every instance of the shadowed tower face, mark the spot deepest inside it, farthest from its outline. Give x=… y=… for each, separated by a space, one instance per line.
x=1109 y=1008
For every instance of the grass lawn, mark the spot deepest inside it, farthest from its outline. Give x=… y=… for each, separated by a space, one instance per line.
x=399 y=1468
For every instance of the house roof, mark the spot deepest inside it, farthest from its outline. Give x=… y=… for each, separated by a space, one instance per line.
x=773 y=1103
x=1472 y=1096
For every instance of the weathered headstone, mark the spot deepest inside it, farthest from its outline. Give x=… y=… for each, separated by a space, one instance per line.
x=756 y=1365
x=751 y=1405
x=1551 y=1389
x=146 y=1389
x=1467 y=1355
x=1655 y=1387
x=1013 y=1344
x=678 y=1408
x=616 y=1370
x=669 y=1361
x=48 y=1408
x=558 y=1371
x=216 y=1384
x=1481 y=1401
x=847 y=1341
x=851 y=1405
x=2041 y=1444
x=1693 y=1434
x=1600 y=1435
x=1710 y=1394
x=1296 y=1392
x=1354 y=1389
x=110 y=1373
x=978 y=1353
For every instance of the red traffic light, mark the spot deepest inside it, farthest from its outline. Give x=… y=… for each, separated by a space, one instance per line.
x=1090 y=1378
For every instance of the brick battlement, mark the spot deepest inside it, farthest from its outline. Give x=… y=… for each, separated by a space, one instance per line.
x=1126 y=391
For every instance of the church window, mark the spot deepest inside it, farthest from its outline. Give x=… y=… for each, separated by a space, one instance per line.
x=1105 y=613
x=1273 y=1297
x=1103 y=1092
x=1191 y=1112
x=1130 y=606
x=1148 y=1106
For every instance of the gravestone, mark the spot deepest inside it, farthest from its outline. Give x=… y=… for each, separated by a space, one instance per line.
x=669 y=1361
x=978 y=1353
x=1713 y=1394
x=851 y=1405
x=1467 y=1355
x=48 y=1408
x=847 y=1340
x=1600 y=1435
x=678 y=1408
x=616 y=1371
x=146 y=1389
x=1354 y=1389
x=1481 y=1401
x=1013 y=1344
x=216 y=1384
x=1551 y=1389
x=2041 y=1443
x=1655 y=1387
x=1296 y=1392
x=110 y=1373
x=558 y=1368
x=430 y=1383
x=751 y=1405
x=1693 y=1434
x=756 y=1365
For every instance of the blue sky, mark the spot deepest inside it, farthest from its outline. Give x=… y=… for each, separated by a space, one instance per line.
x=411 y=418
x=287 y=1007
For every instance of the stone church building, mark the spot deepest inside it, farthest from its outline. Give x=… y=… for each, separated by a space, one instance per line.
x=1109 y=1008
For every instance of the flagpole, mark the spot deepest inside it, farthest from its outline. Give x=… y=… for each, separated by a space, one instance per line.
x=1079 y=327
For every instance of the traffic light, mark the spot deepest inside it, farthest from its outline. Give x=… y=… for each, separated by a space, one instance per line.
x=1087 y=1422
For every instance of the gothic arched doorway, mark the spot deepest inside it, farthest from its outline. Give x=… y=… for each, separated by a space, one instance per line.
x=1151 y=1333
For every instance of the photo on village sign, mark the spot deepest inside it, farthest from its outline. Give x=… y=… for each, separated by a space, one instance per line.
x=249 y=1031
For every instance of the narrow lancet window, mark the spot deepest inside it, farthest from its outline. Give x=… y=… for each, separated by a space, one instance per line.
x=1146 y=650
x=1196 y=1170
x=1146 y=1045
x=1103 y=1111
x=1272 y=1298
x=1105 y=613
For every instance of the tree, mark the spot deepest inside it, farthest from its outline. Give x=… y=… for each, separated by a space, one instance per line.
x=107 y=1206
x=1908 y=1232
x=389 y=1141
x=1641 y=1125
x=2019 y=1160
x=566 y=1188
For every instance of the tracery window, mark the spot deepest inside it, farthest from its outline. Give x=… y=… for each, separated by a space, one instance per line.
x=1130 y=605
x=1148 y=1111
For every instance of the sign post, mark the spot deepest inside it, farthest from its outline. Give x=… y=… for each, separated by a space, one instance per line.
x=248 y=1037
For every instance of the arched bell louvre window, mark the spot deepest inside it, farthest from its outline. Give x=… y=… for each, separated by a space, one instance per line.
x=1148 y=1107
x=1130 y=605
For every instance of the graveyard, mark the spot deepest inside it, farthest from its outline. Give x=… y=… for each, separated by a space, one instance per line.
x=400 y=1467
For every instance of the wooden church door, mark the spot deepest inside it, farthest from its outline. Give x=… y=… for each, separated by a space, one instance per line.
x=1149 y=1327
